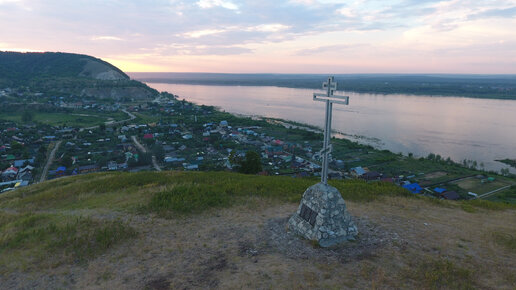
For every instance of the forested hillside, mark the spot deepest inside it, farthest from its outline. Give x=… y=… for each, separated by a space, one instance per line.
x=56 y=73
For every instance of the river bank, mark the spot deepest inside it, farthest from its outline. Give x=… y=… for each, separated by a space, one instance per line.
x=459 y=128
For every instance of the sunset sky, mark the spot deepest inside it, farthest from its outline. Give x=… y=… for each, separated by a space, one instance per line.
x=296 y=36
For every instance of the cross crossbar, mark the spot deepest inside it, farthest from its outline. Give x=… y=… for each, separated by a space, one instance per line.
x=324 y=97
x=330 y=86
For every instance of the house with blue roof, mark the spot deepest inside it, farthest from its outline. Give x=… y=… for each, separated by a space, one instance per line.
x=21 y=162
x=61 y=171
x=439 y=190
x=357 y=171
x=413 y=187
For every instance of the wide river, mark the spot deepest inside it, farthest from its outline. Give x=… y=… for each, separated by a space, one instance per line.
x=461 y=128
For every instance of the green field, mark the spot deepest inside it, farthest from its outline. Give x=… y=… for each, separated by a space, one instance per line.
x=475 y=185
x=75 y=119
x=508 y=195
x=145 y=118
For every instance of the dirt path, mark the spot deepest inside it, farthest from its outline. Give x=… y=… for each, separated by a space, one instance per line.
x=138 y=144
x=487 y=194
x=49 y=161
x=155 y=163
x=113 y=123
x=144 y=150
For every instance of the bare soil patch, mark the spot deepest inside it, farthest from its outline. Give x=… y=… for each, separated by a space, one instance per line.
x=436 y=174
x=371 y=238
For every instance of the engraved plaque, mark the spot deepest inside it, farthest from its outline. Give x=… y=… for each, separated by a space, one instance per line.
x=308 y=214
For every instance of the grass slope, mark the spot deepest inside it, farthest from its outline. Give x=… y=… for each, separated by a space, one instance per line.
x=214 y=229
x=175 y=192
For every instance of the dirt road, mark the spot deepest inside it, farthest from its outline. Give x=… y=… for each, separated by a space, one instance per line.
x=49 y=161
x=144 y=150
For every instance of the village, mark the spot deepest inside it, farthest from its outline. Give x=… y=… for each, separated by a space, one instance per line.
x=171 y=134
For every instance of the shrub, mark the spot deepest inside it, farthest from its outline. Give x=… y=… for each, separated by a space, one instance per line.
x=187 y=199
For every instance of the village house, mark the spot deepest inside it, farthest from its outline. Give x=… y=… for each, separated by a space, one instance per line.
x=25 y=173
x=10 y=173
x=88 y=169
x=112 y=165
x=450 y=195
x=21 y=162
x=357 y=171
x=371 y=176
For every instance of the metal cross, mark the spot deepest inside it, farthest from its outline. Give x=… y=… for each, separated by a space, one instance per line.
x=330 y=86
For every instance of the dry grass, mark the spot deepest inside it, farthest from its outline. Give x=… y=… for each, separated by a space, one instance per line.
x=418 y=243
x=438 y=248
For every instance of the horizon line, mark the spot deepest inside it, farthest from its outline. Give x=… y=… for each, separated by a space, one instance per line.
x=322 y=74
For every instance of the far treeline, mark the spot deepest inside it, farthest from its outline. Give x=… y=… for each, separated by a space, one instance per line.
x=474 y=86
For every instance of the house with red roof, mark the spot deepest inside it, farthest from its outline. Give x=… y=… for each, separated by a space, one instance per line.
x=10 y=173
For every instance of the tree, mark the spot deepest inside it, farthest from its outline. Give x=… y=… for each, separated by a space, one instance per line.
x=149 y=141
x=158 y=151
x=27 y=116
x=235 y=160
x=67 y=160
x=16 y=146
x=252 y=163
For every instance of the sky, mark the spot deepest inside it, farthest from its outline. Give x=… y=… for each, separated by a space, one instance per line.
x=266 y=36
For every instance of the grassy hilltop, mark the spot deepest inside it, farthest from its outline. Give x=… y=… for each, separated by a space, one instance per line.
x=216 y=229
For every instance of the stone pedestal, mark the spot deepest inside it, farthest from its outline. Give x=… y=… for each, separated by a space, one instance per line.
x=322 y=217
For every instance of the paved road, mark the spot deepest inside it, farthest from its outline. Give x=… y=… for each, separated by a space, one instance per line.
x=144 y=150
x=49 y=161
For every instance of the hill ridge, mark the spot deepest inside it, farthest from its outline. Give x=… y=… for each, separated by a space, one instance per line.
x=168 y=230
x=29 y=65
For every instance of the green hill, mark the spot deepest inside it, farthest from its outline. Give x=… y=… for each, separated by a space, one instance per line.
x=17 y=66
x=67 y=73
x=160 y=230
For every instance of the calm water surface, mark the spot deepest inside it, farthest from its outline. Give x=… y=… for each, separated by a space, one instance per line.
x=461 y=128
